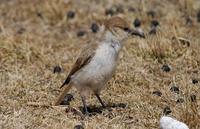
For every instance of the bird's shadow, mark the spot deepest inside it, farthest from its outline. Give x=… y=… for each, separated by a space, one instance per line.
x=94 y=110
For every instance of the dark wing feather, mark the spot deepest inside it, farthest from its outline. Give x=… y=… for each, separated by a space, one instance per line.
x=84 y=58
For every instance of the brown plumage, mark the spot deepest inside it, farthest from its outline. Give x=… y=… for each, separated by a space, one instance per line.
x=83 y=59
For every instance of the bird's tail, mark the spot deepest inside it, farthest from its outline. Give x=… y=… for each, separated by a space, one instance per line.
x=66 y=82
x=62 y=95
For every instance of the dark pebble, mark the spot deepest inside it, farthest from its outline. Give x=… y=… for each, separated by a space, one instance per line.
x=81 y=33
x=78 y=127
x=110 y=12
x=154 y=23
x=39 y=14
x=167 y=110
x=198 y=16
x=195 y=81
x=137 y=22
x=157 y=92
x=174 y=89
x=180 y=100
x=151 y=13
x=57 y=69
x=70 y=14
x=67 y=99
x=94 y=27
x=131 y=9
x=193 y=98
x=166 y=68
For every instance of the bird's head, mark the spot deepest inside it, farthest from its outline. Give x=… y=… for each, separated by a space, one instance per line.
x=119 y=28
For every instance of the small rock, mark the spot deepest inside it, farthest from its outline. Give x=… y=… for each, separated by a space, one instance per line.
x=70 y=14
x=174 y=89
x=67 y=99
x=110 y=12
x=131 y=9
x=154 y=23
x=57 y=69
x=167 y=110
x=167 y=122
x=157 y=92
x=81 y=33
x=166 y=68
x=193 y=98
x=137 y=22
x=198 y=16
x=195 y=81
x=39 y=14
x=78 y=127
x=94 y=27
x=151 y=13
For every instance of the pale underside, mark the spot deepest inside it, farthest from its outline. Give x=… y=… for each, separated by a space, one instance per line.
x=99 y=69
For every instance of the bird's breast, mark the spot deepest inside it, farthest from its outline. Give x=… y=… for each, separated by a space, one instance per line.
x=103 y=63
x=100 y=69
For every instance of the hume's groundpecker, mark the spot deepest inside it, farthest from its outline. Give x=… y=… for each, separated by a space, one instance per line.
x=97 y=62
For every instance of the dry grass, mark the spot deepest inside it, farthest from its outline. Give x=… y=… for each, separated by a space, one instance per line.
x=35 y=36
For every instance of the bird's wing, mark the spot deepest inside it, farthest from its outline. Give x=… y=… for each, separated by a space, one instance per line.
x=83 y=59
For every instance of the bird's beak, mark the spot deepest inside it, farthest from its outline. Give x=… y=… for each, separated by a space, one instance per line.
x=136 y=32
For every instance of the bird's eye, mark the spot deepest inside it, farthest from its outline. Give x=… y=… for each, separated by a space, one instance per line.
x=126 y=29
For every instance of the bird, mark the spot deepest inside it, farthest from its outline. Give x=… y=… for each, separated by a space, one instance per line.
x=167 y=122
x=97 y=61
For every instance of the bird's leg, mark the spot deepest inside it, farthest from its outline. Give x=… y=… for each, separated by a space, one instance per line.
x=84 y=105
x=100 y=100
